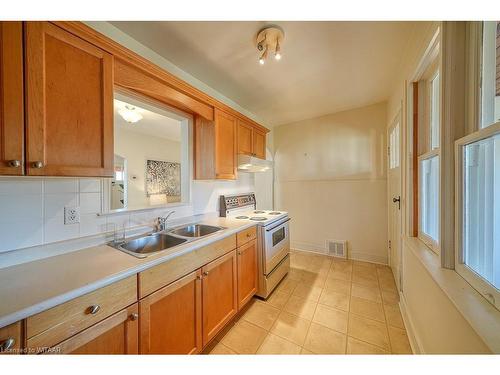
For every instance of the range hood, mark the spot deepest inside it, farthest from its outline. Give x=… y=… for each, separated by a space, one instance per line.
x=248 y=163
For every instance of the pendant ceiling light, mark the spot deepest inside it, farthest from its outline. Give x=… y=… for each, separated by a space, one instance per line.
x=130 y=114
x=270 y=40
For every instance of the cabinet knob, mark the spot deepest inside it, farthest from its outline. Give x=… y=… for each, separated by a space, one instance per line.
x=37 y=164
x=205 y=273
x=239 y=252
x=14 y=163
x=249 y=235
x=198 y=277
x=7 y=344
x=134 y=316
x=94 y=309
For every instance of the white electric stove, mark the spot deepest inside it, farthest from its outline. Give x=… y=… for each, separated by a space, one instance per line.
x=273 y=239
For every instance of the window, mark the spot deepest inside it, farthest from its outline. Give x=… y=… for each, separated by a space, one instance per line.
x=394 y=147
x=490 y=74
x=478 y=258
x=428 y=166
x=478 y=171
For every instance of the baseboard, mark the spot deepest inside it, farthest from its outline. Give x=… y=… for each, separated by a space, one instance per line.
x=355 y=255
x=410 y=330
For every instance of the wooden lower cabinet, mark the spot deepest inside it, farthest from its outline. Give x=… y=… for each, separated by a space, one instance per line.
x=220 y=302
x=10 y=338
x=170 y=319
x=117 y=334
x=247 y=272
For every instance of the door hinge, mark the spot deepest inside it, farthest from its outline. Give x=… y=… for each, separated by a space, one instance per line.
x=390 y=245
x=388 y=151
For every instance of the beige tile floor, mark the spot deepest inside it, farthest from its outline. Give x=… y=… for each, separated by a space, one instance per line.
x=323 y=306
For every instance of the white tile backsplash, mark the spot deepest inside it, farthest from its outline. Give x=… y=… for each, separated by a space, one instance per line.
x=32 y=209
x=54 y=203
x=14 y=186
x=90 y=203
x=61 y=185
x=90 y=185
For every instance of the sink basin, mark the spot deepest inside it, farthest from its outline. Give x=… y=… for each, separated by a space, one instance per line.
x=151 y=243
x=196 y=230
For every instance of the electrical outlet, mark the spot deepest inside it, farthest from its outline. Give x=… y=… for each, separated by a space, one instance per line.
x=71 y=215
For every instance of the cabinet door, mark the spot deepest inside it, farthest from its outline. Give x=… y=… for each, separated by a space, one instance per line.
x=10 y=339
x=259 y=144
x=225 y=145
x=219 y=294
x=114 y=335
x=245 y=138
x=170 y=320
x=69 y=94
x=247 y=272
x=11 y=99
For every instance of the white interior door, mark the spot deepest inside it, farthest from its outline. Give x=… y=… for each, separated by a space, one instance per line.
x=394 y=196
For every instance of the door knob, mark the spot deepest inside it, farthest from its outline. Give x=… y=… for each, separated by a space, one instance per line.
x=37 y=164
x=14 y=163
x=398 y=201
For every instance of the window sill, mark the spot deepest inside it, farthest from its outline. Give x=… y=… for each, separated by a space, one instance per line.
x=483 y=317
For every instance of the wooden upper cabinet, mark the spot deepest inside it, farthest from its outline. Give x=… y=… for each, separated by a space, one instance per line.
x=251 y=141
x=171 y=318
x=247 y=272
x=117 y=334
x=11 y=99
x=259 y=144
x=69 y=94
x=245 y=138
x=219 y=286
x=225 y=145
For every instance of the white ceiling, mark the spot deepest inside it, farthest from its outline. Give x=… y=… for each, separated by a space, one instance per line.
x=326 y=66
x=152 y=123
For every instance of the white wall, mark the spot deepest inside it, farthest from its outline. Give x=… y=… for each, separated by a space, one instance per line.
x=136 y=148
x=330 y=174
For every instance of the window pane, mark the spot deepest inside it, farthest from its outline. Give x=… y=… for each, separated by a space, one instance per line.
x=435 y=112
x=490 y=75
x=481 y=210
x=429 y=197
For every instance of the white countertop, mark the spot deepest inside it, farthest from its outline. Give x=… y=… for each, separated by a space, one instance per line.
x=30 y=288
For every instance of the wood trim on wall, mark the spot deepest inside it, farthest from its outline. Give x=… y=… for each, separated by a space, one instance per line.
x=415 y=160
x=133 y=59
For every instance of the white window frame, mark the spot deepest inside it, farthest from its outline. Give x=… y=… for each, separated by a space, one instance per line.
x=479 y=283
x=430 y=242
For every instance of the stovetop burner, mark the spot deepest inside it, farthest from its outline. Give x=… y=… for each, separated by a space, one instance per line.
x=258 y=218
x=275 y=213
x=241 y=217
x=259 y=212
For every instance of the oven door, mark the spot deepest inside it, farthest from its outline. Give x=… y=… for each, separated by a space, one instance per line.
x=276 y=244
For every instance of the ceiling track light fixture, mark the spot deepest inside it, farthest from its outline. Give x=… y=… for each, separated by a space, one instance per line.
x=270 y=39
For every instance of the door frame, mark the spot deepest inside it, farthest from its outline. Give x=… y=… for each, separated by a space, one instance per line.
x=397 y=120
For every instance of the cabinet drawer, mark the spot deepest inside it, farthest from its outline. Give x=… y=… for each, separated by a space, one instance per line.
x=246 y=235
x=10 y=339
x=50 y=327
x=163 y=274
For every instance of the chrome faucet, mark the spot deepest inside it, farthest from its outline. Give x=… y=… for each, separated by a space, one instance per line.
x=161 y=222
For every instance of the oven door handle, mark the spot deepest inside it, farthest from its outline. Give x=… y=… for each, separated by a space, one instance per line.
x=277 y=225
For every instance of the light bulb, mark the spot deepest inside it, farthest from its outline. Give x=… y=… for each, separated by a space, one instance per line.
x=277 y=51
x=130 y=114
x=263 y=57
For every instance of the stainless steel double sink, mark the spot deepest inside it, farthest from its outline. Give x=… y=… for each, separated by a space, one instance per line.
x=141 y=246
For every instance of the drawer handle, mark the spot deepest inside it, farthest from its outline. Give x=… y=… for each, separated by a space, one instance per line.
x=7 y=344
x=94 y=309
x=134 y=316
x=14 y=163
